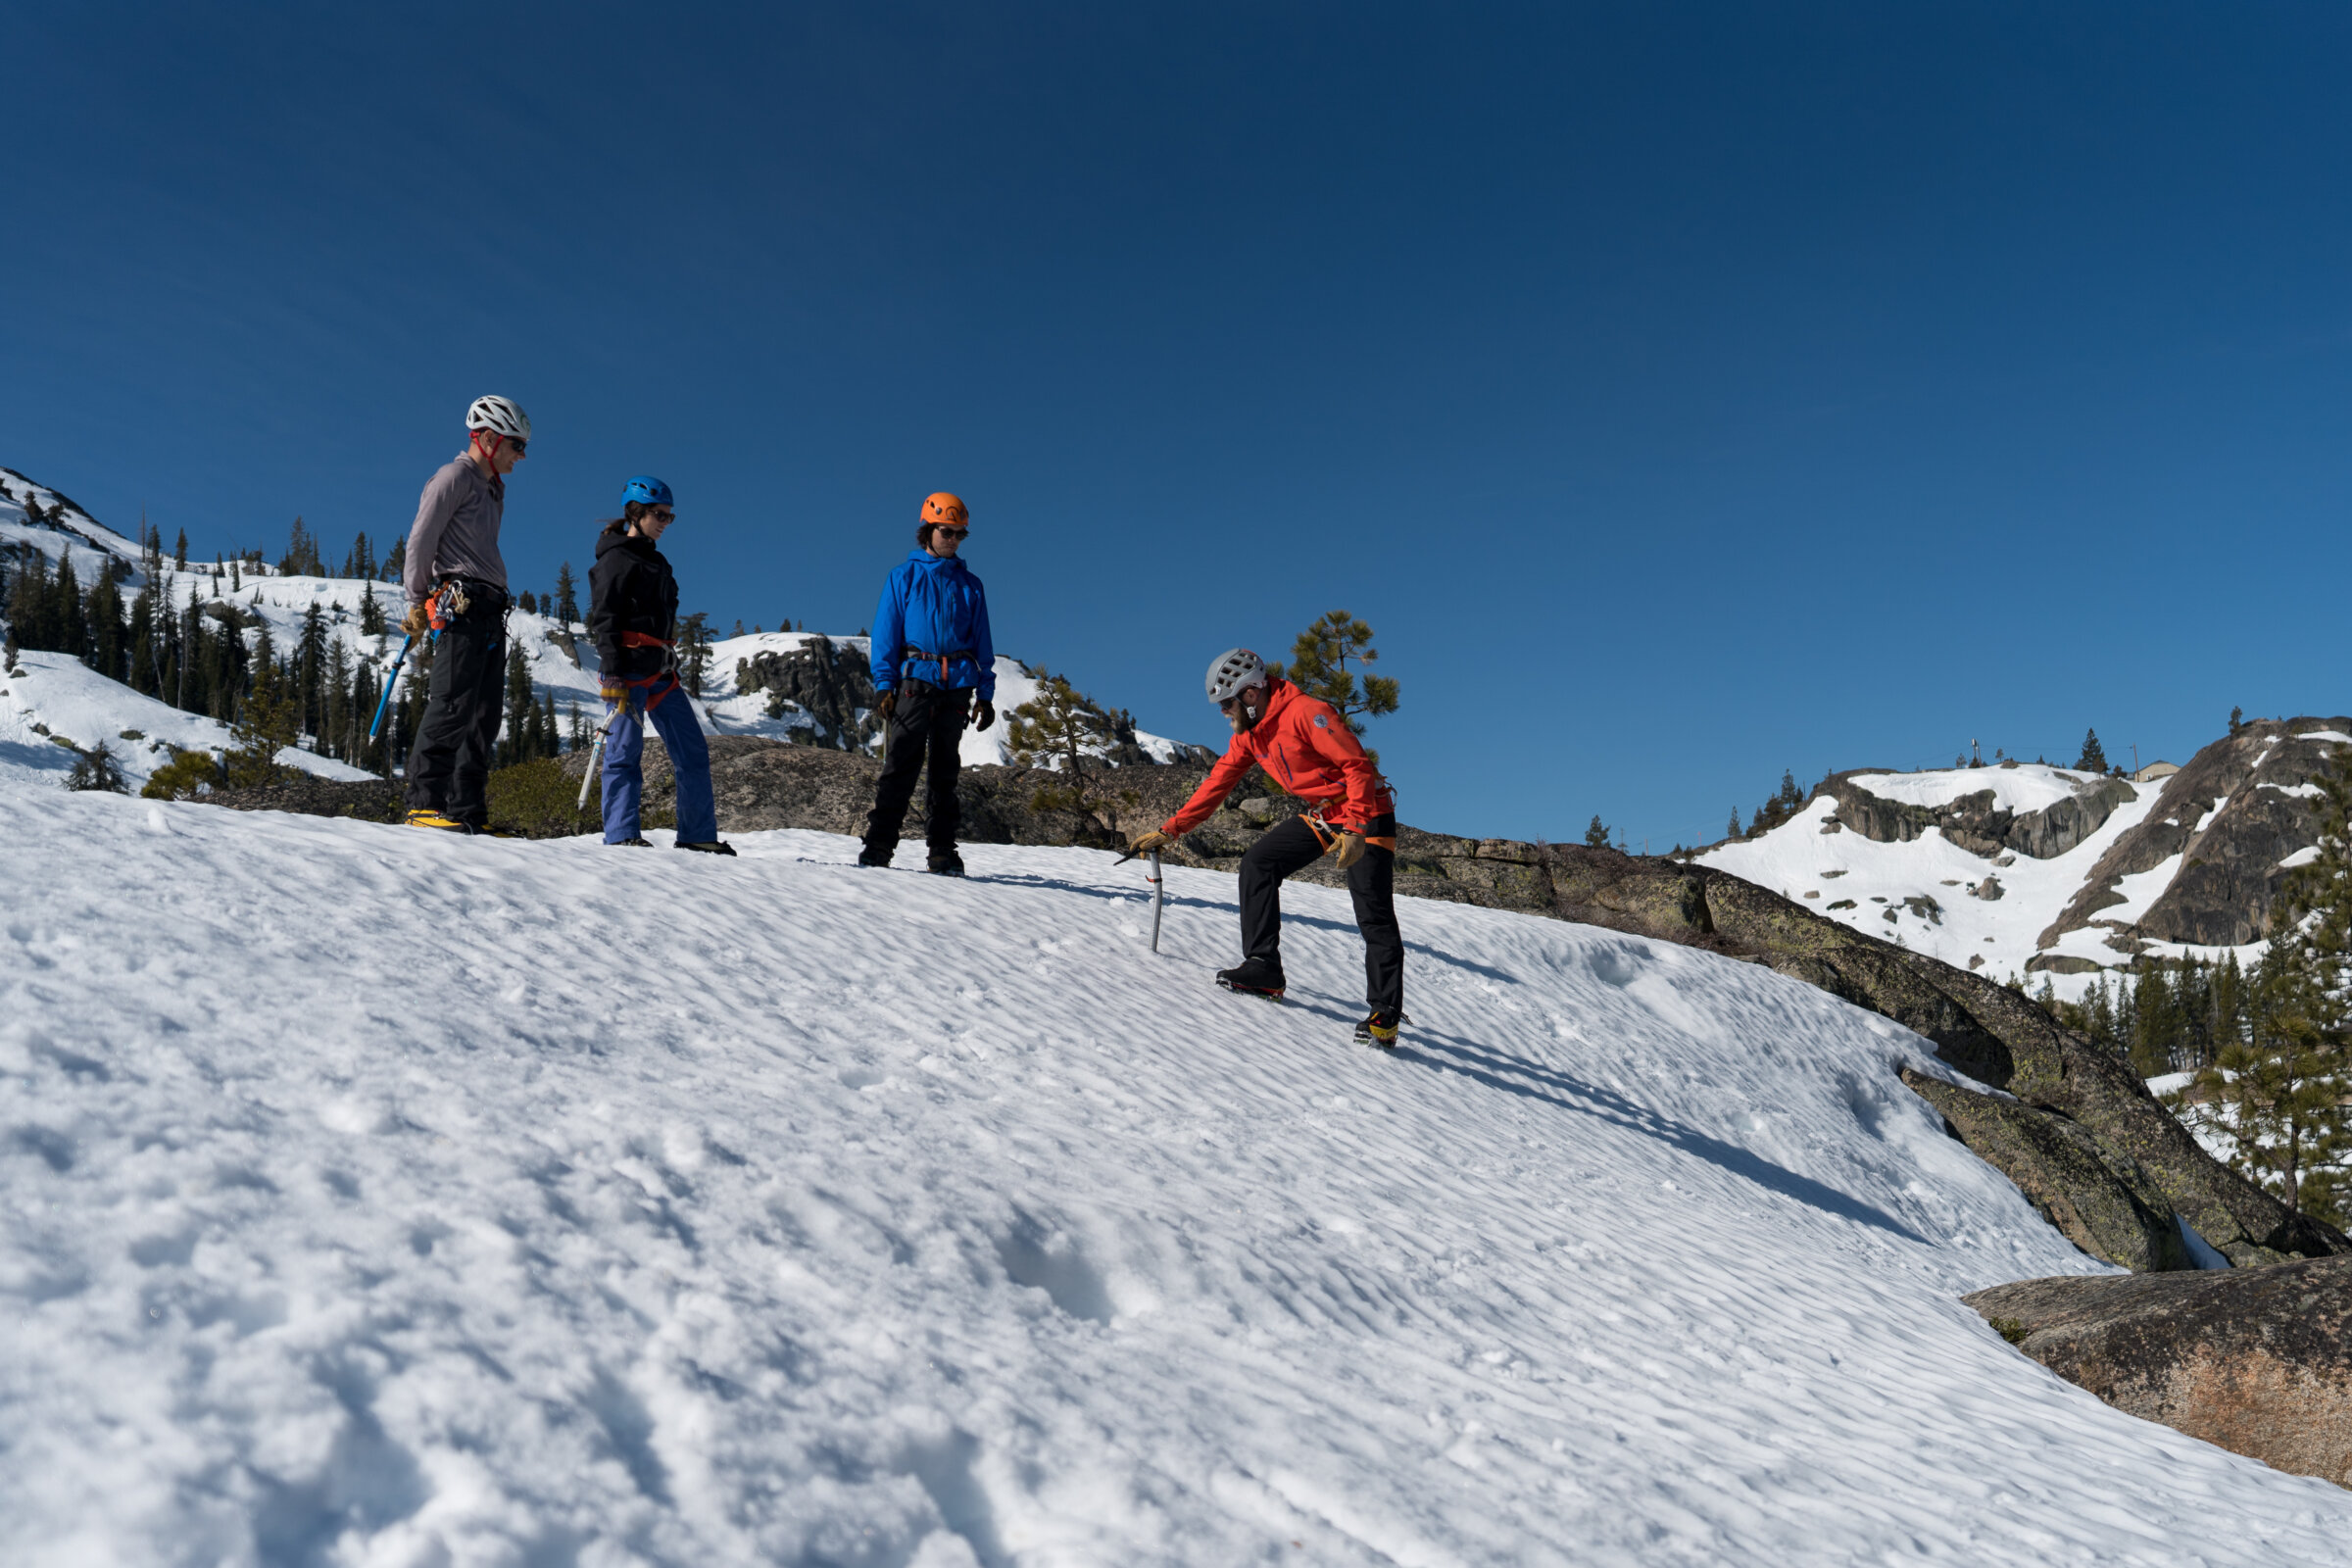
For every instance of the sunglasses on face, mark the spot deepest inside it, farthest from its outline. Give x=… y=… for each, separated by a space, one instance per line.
x=950 y=533
x=663 y=515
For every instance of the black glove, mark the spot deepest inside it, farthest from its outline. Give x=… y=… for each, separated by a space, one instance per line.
x=988 y=714
x=889 y=703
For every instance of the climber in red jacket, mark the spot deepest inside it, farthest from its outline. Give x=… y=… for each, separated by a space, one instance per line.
x=1305 y=746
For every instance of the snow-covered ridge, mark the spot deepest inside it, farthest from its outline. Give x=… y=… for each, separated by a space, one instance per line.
x=2027 y=787
x=365 y=1211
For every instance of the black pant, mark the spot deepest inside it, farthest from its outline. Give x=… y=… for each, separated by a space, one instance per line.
x=1292 y=846
x=928 y=723
x=463 y=706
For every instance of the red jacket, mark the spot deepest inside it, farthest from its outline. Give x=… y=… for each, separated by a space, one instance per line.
x=1307 y=749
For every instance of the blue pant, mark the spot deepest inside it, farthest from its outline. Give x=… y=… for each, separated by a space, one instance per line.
x=672 y=714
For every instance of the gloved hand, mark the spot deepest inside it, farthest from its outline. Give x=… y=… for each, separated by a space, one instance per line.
x=889 y=705
x=419 y=621
x=1146 y=843
x=614 y=692
x=1351 y=849
x=988 y=714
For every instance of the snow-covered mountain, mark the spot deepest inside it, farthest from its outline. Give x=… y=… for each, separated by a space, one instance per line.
x=380 y=1198
x=57 y=705
x=2026 y=870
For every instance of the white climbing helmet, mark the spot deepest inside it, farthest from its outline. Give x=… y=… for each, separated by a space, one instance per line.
x=499 y=417
x=1233 y=671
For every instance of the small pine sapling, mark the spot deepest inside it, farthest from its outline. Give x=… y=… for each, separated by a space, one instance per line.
x=1596 y=833
x=264 y=727
x=97 y=769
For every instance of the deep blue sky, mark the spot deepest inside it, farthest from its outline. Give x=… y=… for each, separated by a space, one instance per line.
x=1683 y=392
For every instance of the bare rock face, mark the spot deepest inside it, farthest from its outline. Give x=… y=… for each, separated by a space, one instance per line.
x=833 y=686
x=1975 y=823
x=2258 y=1361
x=2103 y=1200
x=2237 y=810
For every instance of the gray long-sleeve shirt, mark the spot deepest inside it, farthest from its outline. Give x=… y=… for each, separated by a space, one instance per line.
x=456 y=532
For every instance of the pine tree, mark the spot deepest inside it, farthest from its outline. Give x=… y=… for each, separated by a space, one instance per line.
x=396 y=559
x=9 y=650
x=180 y=551
x=2237 y=721
x=694 y=650
x=110 y=643
x=567 y=603
x=265 y=726
x=1063 y=729
x=335 y=734
x=97 y=769
x=2094 y=755
x=310 y=670
x=514 y=736
x=1319 y=659
x=1734 y=829
x=68 y=625
x=1596 y=834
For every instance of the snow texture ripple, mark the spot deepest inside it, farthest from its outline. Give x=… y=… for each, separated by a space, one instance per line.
x=381 y=1199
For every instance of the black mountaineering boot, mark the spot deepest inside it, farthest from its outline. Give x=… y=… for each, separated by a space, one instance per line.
x=1253 y=977
x=1381 y=1028
x=869 y=855
x=946 y=863
x=715 y=847
x=638 y=842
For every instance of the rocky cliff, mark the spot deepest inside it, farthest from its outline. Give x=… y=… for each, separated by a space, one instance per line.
x=2228 y=818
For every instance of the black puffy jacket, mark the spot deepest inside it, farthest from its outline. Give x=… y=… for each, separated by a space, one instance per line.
x=631 y=589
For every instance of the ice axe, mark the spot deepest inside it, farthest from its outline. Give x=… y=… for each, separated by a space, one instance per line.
x=1158 y=890
x=390 y=681
x=596 y=755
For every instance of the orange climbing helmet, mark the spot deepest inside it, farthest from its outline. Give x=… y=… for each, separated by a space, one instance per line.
x=946 y=510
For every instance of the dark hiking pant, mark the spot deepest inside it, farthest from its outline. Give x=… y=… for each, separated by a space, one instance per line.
x=1292 y=846
x=927 y=726
x=463 y=706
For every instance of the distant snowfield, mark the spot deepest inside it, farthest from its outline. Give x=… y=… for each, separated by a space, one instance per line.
x=382 y=1198
x=1820 y=871
x=75 y=704
x=2021 y=789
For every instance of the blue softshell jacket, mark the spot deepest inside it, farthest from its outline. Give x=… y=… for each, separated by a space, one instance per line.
x=933 y=604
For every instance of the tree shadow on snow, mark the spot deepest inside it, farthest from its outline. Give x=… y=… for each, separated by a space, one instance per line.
x=1487 y=1068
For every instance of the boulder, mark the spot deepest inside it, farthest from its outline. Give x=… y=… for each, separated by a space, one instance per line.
x=2258 y=1361
x=2102 y=1200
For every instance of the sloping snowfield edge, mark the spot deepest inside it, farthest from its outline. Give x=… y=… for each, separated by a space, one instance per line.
x=382 y=1198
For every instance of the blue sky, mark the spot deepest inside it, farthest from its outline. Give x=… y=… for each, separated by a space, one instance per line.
x=1685 y=393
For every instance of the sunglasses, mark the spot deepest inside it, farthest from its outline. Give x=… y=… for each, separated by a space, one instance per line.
x=663 y=515
x=950 y=533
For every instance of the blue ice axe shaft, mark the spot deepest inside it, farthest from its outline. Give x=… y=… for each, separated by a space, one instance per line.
x=390 y=681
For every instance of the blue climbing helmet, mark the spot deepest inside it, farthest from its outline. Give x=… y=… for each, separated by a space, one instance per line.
x=648 y=489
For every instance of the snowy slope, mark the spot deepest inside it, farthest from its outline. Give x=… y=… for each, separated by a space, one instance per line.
x=381 y=1199
x=1863 y=883
x=72 y=535
x=59 y=694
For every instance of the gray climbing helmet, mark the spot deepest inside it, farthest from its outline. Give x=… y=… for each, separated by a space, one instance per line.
x=1233 y=671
